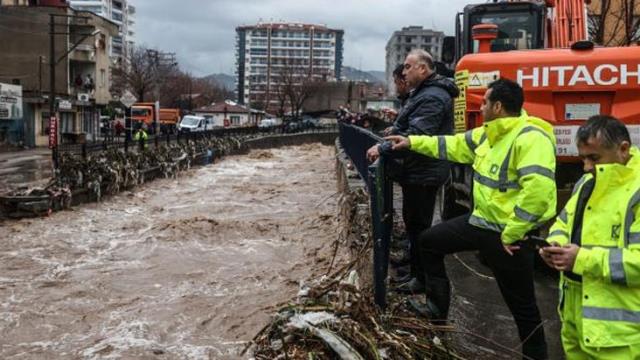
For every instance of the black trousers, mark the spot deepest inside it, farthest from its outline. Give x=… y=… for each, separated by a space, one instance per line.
x=418 y=203
x=514 y=274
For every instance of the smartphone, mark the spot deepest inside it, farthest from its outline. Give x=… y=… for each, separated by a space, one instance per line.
x=537 y=241
x=533 y=242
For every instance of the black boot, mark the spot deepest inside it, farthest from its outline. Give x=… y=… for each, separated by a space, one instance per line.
x=535 y=351
x=413 y=286
x=438 y=298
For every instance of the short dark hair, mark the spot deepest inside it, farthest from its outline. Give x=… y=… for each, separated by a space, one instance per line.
x=397 y=72
x=611 y=131
x=509 y=93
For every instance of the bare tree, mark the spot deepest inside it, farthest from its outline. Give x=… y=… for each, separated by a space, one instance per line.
x=630 y=16
x=138 y=74
x=596 y=21
x=296 y=83
x=614 y=22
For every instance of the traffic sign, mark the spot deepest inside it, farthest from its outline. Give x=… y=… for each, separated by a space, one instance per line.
x=127 y=99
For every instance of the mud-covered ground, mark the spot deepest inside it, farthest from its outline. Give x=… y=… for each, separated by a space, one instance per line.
x=186 y=268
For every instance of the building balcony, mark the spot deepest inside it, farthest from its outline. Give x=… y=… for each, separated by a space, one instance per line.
x=83 y=53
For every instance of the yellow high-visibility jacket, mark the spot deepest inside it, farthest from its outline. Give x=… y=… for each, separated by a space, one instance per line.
x=514 y=163
x=609 y=255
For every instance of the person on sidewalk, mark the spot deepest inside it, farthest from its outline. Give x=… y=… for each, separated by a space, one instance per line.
x=596 y=246
x=514 y=192
x=141 y=137
x=427 y=111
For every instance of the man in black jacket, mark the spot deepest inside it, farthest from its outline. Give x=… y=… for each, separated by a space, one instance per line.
x=427 y=111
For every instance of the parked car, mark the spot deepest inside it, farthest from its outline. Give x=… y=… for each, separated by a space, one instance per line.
x=192 y=123
x=310 y=123
x=267 y=123
x=293 y=127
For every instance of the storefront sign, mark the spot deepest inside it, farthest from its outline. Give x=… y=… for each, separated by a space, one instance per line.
x=53 y=132
x=10 y=101
x=64 y=105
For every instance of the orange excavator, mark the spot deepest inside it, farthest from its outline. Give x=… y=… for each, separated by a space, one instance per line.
x=566 y=79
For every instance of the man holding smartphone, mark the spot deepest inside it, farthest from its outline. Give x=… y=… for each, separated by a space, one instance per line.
x=595 y=243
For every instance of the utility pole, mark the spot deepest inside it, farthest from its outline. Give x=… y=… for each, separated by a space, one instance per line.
x=53 y=119
x=53 y=126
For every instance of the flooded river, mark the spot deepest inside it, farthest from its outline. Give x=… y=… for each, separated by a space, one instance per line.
x=186 y=268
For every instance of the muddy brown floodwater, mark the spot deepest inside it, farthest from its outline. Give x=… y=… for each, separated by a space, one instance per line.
x=187 y=268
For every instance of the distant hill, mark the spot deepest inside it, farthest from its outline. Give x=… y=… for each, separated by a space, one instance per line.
x=349 y=73
x=380 y=75
x=226 y=81
x=353 y=74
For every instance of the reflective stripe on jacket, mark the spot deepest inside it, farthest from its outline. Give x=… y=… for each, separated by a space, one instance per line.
x=609 y=255
x=514 y=164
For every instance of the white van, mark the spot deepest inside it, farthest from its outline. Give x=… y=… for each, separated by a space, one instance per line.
x=192 y=123
x=267 y=123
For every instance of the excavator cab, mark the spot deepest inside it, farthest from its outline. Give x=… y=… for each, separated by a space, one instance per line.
x=521 y=26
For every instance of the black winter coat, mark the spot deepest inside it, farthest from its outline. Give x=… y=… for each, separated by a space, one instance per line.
x=427 y=111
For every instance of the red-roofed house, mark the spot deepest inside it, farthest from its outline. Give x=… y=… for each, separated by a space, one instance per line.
x=236 y=115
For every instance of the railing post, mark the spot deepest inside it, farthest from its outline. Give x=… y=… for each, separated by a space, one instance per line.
x=355 y=142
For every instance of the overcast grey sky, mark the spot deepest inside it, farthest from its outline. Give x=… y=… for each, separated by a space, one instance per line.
x=202 y=32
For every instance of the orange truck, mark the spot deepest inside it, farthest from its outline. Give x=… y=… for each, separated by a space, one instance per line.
x=565 y=79
x=153 y=116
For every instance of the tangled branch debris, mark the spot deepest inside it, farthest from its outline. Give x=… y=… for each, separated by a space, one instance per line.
x=111 y=171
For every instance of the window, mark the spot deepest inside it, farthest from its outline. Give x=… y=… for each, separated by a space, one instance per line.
x=67 y=122
x=103 y=77
x=88 y=123
x=235 y=119
x=44 y=123
x=516 y=30
x=258 y=52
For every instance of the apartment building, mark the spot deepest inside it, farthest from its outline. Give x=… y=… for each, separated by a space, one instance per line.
x=407 y=39
x=82 y=69
x=266 y=51
x=121 y=12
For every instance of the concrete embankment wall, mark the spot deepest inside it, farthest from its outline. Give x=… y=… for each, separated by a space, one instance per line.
x=269 y=142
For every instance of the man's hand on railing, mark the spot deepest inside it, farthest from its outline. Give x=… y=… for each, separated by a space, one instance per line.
x=398 y=142
x=387 y=131
x=373 y=153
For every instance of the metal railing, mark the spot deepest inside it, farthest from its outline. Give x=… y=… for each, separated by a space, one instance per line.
x=356 y=141
x=127 y=143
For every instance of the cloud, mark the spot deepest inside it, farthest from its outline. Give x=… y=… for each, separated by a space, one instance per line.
x=202 y=33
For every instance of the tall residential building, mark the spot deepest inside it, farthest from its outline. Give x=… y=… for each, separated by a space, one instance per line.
x=119 y=11
x=407 y=39
x=82 y=69
x=266 y=51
